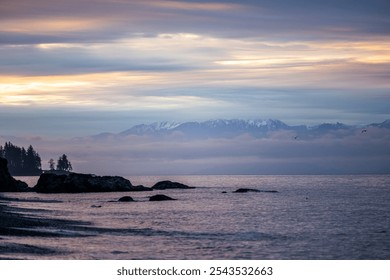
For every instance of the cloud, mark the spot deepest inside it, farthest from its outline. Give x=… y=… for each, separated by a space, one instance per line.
x=193 y=60
x=259 y=156
x=278 y=153
x=96 y=20
x=191 y=6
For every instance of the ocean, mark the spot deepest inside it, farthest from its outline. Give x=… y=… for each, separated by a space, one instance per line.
x=308 y=218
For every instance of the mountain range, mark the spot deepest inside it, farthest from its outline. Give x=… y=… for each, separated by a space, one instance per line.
x=222 y=128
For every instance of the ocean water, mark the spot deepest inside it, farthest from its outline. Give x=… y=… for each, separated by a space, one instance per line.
x=310 y=217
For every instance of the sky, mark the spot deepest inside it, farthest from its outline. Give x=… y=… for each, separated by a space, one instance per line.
x=72 y=68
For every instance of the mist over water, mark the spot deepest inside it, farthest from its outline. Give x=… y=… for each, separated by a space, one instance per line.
x=311 y=217
x=224 y=147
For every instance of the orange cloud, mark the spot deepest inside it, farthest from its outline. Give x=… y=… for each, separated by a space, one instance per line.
x=50 y=25
x=180 y=5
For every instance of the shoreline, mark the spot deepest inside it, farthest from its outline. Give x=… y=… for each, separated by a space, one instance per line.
x=18 y=222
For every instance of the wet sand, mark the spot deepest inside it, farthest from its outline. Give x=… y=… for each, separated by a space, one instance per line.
x=19 y=222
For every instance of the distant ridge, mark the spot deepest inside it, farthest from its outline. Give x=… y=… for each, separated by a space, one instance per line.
x=222 y=128
x=218 y=126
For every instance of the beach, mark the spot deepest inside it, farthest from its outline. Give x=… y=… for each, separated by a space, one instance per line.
x=19 y=222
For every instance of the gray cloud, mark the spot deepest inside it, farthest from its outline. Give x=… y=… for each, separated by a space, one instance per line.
x=278 y=153
x=85 y=66
x=74 y=59
x=316 y=20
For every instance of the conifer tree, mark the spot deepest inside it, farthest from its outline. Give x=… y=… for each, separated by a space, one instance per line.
x=63 y=163
x=51 y=164
x=20 y=161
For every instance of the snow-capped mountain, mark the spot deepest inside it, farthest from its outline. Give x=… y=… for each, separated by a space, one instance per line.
x=156 y=127
x=223 y=128
x=210 y=128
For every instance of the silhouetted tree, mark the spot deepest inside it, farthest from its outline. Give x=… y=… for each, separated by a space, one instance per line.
x=63 y=163
x=20 y=161
x=51 y=164
x=32 y=161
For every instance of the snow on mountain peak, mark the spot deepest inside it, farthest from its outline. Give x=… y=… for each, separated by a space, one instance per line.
x=234 y=127
x=165 y=125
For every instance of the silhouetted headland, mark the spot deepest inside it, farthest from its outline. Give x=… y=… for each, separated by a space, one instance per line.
x=71 y=182
x=7 y=182
x=80 y=183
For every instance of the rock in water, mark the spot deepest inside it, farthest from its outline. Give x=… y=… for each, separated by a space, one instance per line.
x=80 y=183
x=126 y=199
x=163 y=185
x=7 y=182
x=245 y=190
x=160 y=197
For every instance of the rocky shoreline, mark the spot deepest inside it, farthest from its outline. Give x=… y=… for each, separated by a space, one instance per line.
x=15 y=223
x=77 y=183
x=19 y=222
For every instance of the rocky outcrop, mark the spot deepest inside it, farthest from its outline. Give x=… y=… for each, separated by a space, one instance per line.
x=126 y=199
x=7 y=182
x=245 y=190
x=80 y=183
x=163 y=185
x=160 y=197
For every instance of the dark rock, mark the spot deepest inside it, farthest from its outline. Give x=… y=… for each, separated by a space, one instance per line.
x=7 y=182
x=170 y=185
x=224 y=192
x=160 y=197
x=245 y=190
x=96 y=206
x=141 y=188
x=80 y=183
x=126 y=199
x=58 y=172
x=118 y=252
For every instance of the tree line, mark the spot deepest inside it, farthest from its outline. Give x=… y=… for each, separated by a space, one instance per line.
x=63 y=164
x=27 y=162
